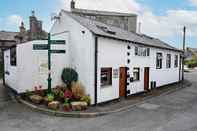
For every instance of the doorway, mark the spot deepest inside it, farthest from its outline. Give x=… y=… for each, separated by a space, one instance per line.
x=122 y=81
x=146 y=78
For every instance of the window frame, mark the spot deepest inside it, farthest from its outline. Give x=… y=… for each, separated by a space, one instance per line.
x=176 y=61
x=142 y=51
x=138 y=74
x=159 y=60
x=13 y=61
x=168 y=61
x=106 y=71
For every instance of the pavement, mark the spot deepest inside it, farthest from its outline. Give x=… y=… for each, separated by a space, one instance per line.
x=176 y=111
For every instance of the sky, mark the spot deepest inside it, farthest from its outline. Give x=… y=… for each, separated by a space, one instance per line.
x=163 y=19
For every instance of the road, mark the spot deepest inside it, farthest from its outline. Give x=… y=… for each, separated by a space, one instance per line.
x=173 y=112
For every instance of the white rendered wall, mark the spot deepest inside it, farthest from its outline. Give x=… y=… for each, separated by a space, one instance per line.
x=81 y=50
x=162 y=76
x=31 y=69
x=111 y=53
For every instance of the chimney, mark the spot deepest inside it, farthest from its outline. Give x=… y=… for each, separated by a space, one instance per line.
x=72 y=4
x=22 y=28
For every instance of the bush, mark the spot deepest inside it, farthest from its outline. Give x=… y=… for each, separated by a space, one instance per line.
x=86 y=99
x=50 y=97
x=69 y=75
x=77 y=90
x=191 y=63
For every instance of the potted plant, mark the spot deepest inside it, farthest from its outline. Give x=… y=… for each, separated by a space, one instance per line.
x=48 y=98
x=66 y=105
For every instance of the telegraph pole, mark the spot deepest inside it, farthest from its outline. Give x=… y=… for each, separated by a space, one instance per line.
x=183 y=59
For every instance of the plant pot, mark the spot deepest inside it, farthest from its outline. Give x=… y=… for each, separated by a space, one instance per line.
x=67 y=108
x=45 y=101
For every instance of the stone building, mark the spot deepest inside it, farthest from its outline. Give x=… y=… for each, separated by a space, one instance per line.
x=124 y=21
x=35 y=32
x=9 y=39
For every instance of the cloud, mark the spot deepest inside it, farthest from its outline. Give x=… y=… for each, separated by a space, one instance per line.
x=11 y=22
x=14 y=20
x=193 y=2
x=108 y=5
x=169 y=25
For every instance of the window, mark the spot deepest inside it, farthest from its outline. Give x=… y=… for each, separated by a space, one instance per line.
x=106 y=76
x=142 y=51
x=13 y=56
x=159 y=61
x=136 y=74
x=176 y=61
x=168 y=61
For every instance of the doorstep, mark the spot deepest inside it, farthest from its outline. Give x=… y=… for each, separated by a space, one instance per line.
x=111 y=107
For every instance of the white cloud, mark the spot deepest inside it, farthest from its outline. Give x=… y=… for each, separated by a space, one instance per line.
x=170 y=24
x=193 y=2
x=11 y=23
x=14 y=20
x=109 y=5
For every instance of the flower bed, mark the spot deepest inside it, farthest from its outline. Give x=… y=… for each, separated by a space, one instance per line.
x=64 y=98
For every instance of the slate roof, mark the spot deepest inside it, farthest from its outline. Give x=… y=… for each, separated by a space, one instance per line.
x=102 y=29
x=7 y=36
x=106 y=13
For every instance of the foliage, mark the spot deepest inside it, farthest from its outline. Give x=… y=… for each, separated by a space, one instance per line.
x=50 y=97
x=66 y=102
x=28 y=93
x=69 y=75
x=78 y=90
x=86 y=99
x=191 y=63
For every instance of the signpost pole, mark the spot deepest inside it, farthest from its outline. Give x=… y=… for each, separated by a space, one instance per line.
x=49 y=63
x=50 y=51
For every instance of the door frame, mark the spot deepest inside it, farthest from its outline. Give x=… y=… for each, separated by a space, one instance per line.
x=146 y=78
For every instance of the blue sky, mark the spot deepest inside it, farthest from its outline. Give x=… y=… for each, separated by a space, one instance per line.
x=163 y=19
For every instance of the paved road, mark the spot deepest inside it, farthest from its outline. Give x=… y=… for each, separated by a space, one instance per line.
x=173 y=112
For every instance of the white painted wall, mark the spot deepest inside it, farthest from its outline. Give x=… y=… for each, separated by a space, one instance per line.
x=81 y=50
x=162 y=76
x=111 y=53
x=28 y=72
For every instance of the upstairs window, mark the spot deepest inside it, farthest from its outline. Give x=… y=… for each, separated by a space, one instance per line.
x=106 y=77
x=168 y=61
x=142 y=51
x=176 y=61
x=159 y=58
x=13 y=56
x=136 y=74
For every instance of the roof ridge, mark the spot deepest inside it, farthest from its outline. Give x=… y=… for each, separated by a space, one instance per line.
x=120 y=34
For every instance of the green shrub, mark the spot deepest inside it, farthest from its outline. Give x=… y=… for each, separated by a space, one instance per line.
x=50 y=97
x=69 y=75
x=191 y=63
x=86 y=99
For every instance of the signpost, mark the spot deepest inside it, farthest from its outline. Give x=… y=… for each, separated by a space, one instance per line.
x=50 y=51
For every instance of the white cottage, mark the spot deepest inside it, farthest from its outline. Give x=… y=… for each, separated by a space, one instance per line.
x=110 y=61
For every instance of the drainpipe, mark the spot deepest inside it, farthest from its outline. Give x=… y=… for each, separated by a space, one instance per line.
x=95 y=68
x=183 y=58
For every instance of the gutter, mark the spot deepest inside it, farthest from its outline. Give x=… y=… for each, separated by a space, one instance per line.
x=95 y=68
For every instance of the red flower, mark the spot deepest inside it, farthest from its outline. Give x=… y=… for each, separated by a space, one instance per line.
x=68 y=94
